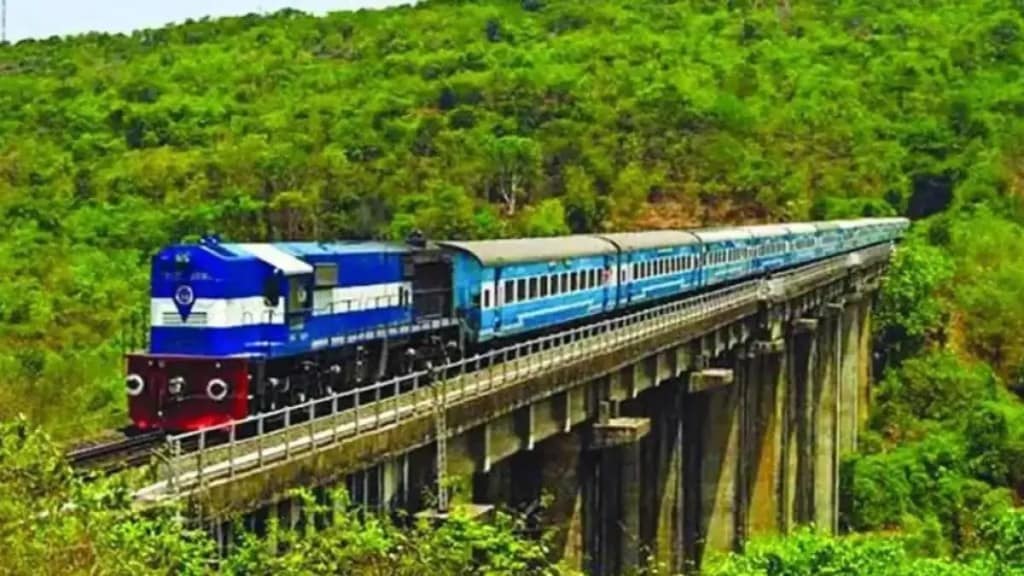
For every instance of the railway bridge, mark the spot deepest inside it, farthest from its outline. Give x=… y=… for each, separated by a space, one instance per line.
x=678 y=429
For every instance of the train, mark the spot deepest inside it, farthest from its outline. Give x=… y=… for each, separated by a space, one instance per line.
x=240 y=328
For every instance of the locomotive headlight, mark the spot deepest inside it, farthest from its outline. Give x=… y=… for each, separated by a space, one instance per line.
x=217 y=389
x=134 y=384
x=176 y=385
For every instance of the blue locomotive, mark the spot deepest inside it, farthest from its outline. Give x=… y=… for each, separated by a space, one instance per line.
x=240 y=328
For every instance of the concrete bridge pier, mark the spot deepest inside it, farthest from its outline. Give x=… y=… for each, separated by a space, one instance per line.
x=712 y=436
x=766 y=396
x=614 y=538
x=825 y=421
x=801 y=364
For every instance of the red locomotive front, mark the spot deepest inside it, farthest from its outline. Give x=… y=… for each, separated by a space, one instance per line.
x=186 y=392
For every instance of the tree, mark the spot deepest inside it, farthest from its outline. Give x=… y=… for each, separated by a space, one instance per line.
x=514 y=163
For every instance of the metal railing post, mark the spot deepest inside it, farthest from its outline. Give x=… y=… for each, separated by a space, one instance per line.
x=231 y=451
x=396 y=395
x=355 y=410
x=312 y=425
x=199 y=458
x=259 y=441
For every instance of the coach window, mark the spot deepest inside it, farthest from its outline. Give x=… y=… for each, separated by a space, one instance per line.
x=487 y=298
x=543 y=286
x=533 y=288
x=593 y=277
x=521 y=289
x=565 y=282
x=510 y=294
x=573 y=283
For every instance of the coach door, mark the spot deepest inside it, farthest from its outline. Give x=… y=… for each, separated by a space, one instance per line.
x=499 y=299
x=608 y=284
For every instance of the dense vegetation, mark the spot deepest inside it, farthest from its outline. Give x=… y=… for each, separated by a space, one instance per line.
x=501 y=117
x=468 y=119
x=52 y=522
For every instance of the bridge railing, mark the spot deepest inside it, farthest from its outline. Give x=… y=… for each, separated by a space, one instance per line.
x=220 y=451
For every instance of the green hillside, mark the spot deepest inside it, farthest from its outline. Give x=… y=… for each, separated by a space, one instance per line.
x=468 y=119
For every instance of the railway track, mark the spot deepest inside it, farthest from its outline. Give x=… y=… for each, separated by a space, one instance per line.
x=116 y=454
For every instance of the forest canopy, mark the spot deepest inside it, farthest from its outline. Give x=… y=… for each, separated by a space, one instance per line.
x=468 y=119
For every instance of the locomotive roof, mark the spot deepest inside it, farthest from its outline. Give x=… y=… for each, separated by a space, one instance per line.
x=517 y=250
x=273 y=255
x=288 y=257
x=304 y=249
x=653 y=239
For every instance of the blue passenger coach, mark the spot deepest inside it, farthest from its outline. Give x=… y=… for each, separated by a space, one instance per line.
x=654 y=265
x=725 y=254
x=769 y=248
x=507 y=287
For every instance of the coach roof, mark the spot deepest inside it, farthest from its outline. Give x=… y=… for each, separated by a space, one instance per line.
x=653 y=239
x=518 y=250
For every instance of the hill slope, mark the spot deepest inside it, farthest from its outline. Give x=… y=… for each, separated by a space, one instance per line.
x=469 y=119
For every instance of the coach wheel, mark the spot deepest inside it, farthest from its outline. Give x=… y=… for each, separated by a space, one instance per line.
x=217 y=390
x=134 y=384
